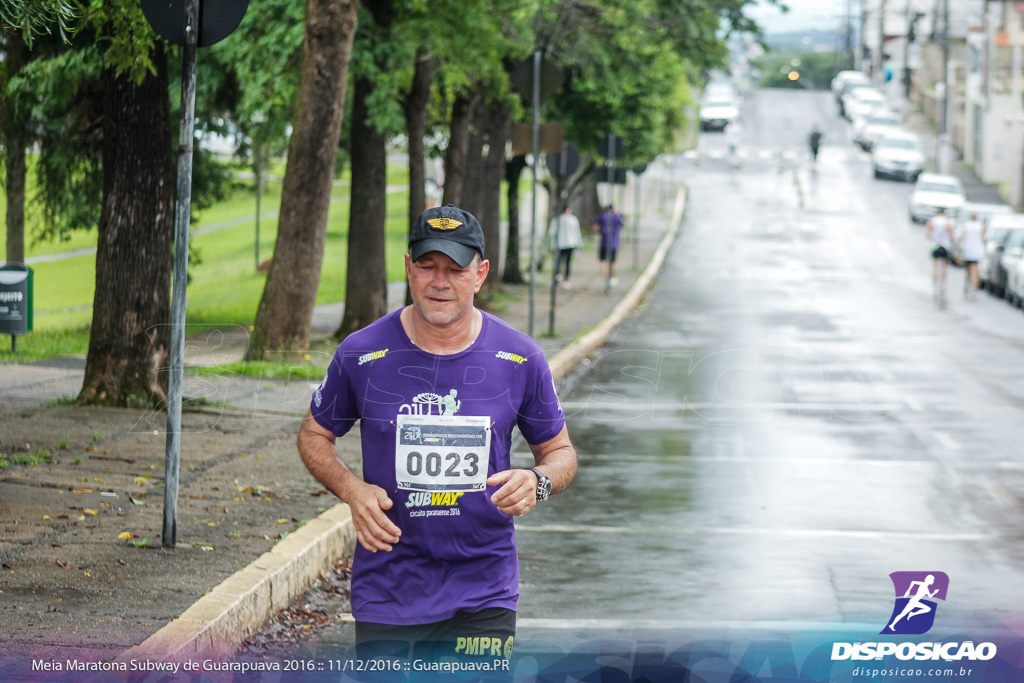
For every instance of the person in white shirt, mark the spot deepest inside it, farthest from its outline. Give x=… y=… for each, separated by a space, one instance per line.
x=940 y=231
x=565 y=239
x=972 y=247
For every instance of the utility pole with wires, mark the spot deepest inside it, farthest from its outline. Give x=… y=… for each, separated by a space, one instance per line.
x=945 y=153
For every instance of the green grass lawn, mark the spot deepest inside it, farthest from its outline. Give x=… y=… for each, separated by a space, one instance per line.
x=225 y=288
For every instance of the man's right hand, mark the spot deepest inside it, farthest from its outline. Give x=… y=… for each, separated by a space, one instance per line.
x=373 y=528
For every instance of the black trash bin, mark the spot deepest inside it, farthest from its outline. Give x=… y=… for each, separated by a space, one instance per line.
x=15 y=300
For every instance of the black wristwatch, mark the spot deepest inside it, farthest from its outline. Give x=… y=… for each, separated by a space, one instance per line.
x=543 y=484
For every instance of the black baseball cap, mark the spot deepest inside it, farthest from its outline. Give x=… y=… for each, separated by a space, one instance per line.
x=449 y=230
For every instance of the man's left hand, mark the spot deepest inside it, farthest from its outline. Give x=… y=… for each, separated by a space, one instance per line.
x=518 y=492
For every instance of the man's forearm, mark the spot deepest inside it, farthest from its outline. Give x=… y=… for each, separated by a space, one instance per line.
x=560 y=467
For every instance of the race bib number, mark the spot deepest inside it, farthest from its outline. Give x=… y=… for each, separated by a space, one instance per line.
x=442 y=453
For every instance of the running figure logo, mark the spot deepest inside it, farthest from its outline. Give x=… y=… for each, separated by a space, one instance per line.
x=916 y=593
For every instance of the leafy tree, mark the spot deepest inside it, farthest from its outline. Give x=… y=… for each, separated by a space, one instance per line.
x=375 y=115
x=37 y=17
x=14 y=136
x=247 y=85
x=129 y=337
x=286 y=308
x=815 y=69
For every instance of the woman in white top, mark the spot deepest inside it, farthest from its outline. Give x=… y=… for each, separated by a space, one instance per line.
x=940 y=231
x=565 y=238
x=972 y=247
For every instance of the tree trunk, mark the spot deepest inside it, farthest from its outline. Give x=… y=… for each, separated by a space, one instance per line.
x=130 y=336
x=458 y=148
x=513 y=274
x=15 y=138
x=415 y=105
x=473 y=187
x=285 y=312
x=499 y=122
x=366 y=280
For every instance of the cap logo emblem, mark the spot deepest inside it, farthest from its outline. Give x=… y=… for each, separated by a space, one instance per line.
x=444 y=223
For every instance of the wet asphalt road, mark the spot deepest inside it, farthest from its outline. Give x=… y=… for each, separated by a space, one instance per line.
x=790 y=419
x=787 y=421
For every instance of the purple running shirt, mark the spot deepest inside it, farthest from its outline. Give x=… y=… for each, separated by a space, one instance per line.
x=425 y=440
x=610 y=225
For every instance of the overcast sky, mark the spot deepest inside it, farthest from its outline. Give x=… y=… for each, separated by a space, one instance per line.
x=802 y=15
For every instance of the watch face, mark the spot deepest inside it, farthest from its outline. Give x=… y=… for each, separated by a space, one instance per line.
x=543 y=488
x=543 y=484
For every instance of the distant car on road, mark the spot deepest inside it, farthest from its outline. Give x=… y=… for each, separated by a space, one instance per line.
x=719 y=90
x=982 y=212
x=999 y=228
x=875 y=125
x=897 y=154
x=716 y=114
x=933 y=192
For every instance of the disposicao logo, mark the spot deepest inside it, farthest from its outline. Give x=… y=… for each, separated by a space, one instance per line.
x=914 y=614
x=916 y=595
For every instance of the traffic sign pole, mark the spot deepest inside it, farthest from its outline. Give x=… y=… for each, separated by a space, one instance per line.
x=535 y=150
x=183 y=211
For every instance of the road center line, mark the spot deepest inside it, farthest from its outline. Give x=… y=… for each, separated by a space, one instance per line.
x=638 y=404
x=759 y=627
x=867 y=534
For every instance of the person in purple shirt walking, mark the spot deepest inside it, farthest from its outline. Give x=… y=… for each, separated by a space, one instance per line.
x=609 y=224
x=437 y=388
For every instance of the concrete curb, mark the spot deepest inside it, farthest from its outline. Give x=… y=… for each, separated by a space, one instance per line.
x=564 y=361
x=220 y=620
x=239 y=606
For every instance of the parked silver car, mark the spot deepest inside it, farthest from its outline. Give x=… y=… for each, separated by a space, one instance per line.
x=934 y=192
x=1006 y=273
x=874 y=126
x=897 y=154
x=999 y=229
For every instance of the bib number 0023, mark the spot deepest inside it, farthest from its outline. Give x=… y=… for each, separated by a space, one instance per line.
x=442 y=453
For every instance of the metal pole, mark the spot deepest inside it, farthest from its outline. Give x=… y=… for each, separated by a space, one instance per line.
x=636 y=222
x=181 y=224
x=906 y=54
x=881 y=46
x=611 y=168
x=563 y=173
x=945 y=153
x=259 y=192
x=535 y=148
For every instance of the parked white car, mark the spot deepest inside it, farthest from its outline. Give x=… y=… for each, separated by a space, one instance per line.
x=996 y=233
x=874 y=126
x=1011 y=261
x=844 y=77
x=933 y=192
x=858 y=103
x=897 y=154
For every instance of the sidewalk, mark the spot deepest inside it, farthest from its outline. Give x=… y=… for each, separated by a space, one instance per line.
x=83 y=577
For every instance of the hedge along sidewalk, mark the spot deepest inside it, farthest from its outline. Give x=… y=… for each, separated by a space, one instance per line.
x=239 y=606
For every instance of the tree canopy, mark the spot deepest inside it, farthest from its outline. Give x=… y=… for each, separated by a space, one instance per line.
x=630 y=69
